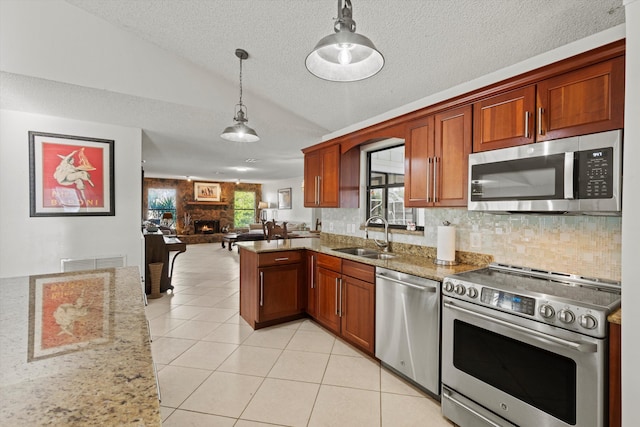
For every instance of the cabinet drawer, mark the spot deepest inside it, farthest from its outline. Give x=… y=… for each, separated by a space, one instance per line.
x=359 y=270
x=277 y=258
x=330 y=262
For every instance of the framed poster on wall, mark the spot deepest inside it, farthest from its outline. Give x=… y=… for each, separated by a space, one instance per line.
x=206 y=192
x=70 y=175
x=284 y=198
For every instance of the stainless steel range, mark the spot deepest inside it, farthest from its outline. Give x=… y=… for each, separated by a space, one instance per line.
x=525 y=347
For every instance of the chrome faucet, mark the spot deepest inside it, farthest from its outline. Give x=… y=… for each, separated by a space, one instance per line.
x=383 y=245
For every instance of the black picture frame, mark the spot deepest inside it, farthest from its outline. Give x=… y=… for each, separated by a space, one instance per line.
x=70 y=175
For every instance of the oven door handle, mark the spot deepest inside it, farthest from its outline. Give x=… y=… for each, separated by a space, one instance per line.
x=580 y=346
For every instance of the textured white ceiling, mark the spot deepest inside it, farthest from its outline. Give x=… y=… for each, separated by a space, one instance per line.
x=428 y=45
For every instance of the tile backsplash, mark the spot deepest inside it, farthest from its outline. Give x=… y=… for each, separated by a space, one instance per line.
x=585 y=245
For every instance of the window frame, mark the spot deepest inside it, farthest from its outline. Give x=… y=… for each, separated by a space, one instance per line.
x=385 y=190
x=154 y=213
x=236 y=210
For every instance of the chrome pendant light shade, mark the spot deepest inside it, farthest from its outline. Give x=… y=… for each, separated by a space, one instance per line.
x=240 y=131
x=345 y=56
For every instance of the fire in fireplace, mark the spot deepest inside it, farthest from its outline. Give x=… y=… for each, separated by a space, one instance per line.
x=206 y=226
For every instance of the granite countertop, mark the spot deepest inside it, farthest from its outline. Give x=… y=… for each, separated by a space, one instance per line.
x=421 y=265
x=616 y=317
x=75 y=350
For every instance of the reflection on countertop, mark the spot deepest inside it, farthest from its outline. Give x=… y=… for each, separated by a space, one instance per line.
x=74 y=350
x=410 y=259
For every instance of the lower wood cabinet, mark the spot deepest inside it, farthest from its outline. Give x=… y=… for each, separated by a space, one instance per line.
x=615 y=375
x=339 y=294
x=345 y=300
x=271 y=287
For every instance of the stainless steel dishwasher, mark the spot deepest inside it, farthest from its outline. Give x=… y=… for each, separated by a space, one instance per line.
x=408 y=326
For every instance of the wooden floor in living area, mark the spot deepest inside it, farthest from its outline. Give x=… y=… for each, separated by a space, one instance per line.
x=214 y=370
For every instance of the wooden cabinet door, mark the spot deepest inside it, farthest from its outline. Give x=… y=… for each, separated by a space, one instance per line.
x=451 y=156
x=504 y=120
x=580 y=102
x=330 y=177
x=312 y=273
x=279 y=293
x=418 y=148
x=327 y=292
x=358 y=313
x=312 y=171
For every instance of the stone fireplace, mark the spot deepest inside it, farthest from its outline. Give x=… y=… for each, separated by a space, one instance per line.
x=206 y=226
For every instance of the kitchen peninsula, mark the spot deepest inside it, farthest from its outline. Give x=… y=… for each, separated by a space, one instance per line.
x=74 y=350
x=287 y=279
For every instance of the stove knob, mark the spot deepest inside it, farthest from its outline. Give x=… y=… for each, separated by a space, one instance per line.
x=587 y=321
x=460 y=290
x=566 y=316
x=472 y=292
x=448 y=286
x=546 y=311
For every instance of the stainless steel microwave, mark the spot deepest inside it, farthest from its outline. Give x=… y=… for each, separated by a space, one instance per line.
x=579 y=175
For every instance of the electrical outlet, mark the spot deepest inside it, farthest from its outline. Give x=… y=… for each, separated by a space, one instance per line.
x=330 y=226
x=476 y=240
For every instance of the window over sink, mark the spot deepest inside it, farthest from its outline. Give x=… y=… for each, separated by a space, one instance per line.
x=385 y=187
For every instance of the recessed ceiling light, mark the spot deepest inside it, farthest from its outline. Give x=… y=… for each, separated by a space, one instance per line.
x=239 y=169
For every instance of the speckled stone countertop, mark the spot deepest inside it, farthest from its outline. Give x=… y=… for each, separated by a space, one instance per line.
x=74 y=350
x=616 y=317
x=410 y=259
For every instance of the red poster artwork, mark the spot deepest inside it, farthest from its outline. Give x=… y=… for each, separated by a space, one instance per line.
x=72 y=175
x=72 y=312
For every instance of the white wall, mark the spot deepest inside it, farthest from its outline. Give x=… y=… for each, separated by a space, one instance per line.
x=36 y=245
x=630 y=215
x=297 y=213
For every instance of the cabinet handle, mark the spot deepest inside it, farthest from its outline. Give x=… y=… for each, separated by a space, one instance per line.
x=337 y=296
x=313 y=270
x=540 y=113
x=340 y=297
x=435 y=180
x=428 y=178
x=317 y=190
x=281 y=259
x=526 y=124
x=261 y=288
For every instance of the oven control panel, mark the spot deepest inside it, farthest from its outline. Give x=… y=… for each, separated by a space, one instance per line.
x=553 y=312
x=508 y=301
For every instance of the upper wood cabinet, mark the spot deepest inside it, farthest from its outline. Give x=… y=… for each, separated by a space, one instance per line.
x=504 y=120
x=436 y=159
x=329 y=176
x=418 y=154
x=587 y=100
x=584 y=101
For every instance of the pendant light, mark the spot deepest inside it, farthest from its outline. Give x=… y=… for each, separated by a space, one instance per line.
x=239 y=131
x=345 y=56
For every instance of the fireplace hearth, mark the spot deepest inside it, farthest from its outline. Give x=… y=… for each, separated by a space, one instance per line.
x=206 y=226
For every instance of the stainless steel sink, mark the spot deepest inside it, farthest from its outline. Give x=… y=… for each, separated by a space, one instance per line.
x=365 y=253
x=379 y=255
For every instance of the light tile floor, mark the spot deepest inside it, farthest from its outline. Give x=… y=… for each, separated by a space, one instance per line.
x=215 y=370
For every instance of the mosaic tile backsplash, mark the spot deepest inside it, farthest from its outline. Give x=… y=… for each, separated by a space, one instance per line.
x=584 y=245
